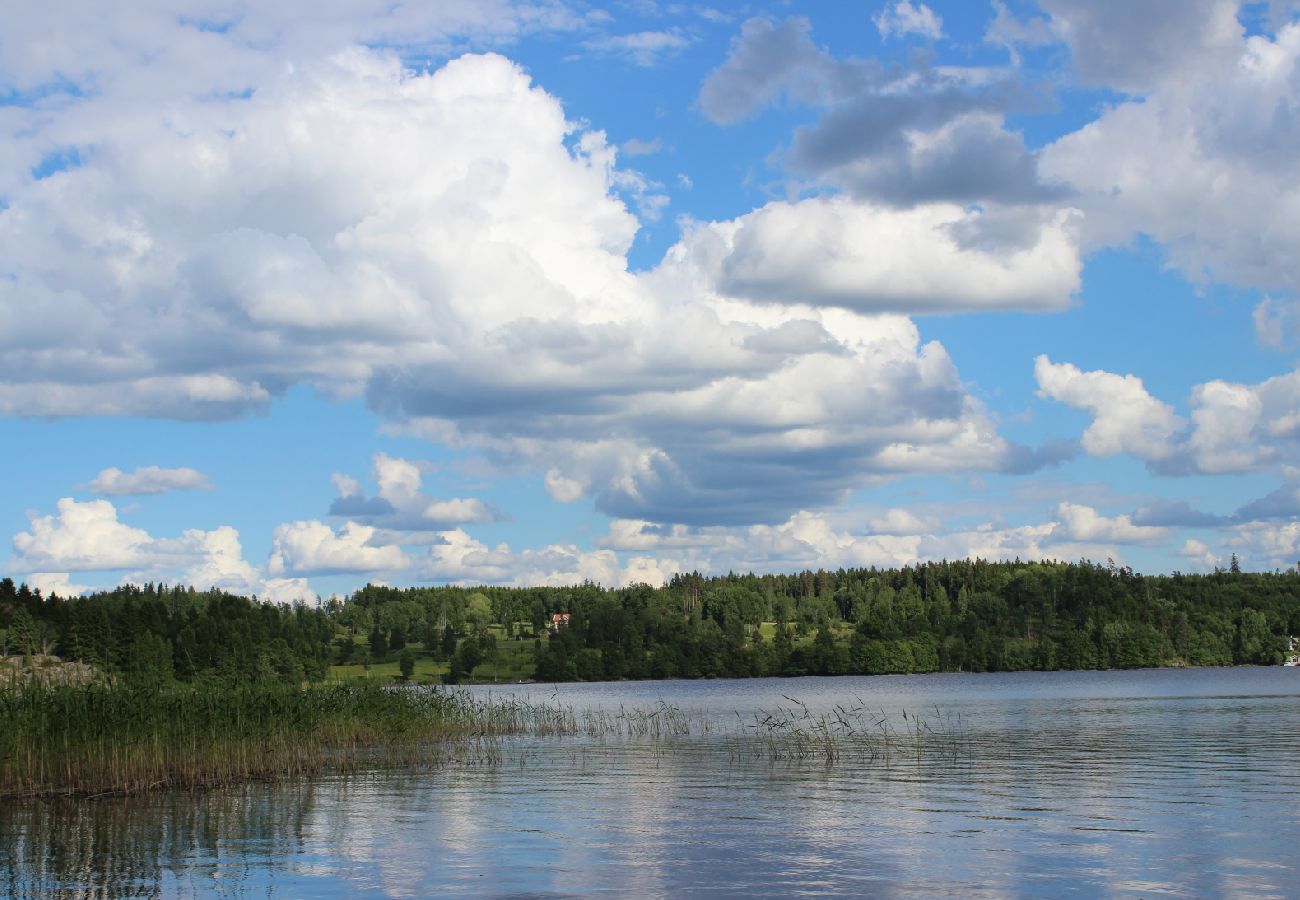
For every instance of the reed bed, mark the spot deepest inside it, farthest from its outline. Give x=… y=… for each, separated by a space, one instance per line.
x=106 y=738
x=510 y=715
x=852 y=733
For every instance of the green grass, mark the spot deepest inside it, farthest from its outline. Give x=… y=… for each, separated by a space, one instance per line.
x=426 y=671
x=841 y=630
x=512 y=661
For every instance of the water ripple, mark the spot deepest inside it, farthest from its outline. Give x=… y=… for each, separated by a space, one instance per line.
x=1126 y=784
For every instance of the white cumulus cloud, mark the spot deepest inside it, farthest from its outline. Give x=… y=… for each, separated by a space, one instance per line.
x=80 y=537
x=1199 y=555
x=55 y=583
x=833 y=251
x=400 y=505
x=1126 y=419
x=1268 y=545
x=1233 y=427
x=1203 y=157
x=450 y=246
x=313 y=548
x=1083 y=523
x=463 y=559
x=87 y=536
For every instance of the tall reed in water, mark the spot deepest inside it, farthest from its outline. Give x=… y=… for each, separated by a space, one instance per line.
x=107 y=738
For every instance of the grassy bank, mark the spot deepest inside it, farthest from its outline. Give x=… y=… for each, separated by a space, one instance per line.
x=104 y=738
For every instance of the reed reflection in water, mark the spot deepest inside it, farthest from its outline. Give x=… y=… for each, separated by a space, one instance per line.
x=1099 y=783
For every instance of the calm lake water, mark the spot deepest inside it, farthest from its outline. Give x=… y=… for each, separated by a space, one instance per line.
x=1148 y=783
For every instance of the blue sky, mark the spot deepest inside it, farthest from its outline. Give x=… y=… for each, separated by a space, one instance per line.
x=294 y=299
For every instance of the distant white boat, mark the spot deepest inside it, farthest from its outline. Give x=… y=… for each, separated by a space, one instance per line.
x=1293 y=661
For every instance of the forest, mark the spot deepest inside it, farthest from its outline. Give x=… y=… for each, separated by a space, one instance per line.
x=967 y=615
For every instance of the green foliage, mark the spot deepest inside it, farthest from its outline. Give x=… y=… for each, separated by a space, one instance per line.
x=156 y=634
x=149 y=660
x=967 y=615
x=22 y=632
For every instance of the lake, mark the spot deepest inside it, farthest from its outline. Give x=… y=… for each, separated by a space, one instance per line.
x=1142 y=783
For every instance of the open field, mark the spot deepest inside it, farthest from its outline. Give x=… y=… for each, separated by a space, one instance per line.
x=512 y=660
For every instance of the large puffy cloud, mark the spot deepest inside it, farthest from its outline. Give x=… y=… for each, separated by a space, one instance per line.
x=313 y=548
x=935 y=206
x=1242 y=427
x=837 y=252
x=1203 y=159
x=449 y=245
x=1083 y=523
x=746 y=447
x=220 y=558
x=80 y=537
x=1268 y=544
x=344 y=213
x=1126 y=419
x=1234 y=427
x=55 y=583
x=88 y=537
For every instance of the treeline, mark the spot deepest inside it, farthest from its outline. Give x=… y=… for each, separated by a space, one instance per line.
x=968 y=615
x=158 y=633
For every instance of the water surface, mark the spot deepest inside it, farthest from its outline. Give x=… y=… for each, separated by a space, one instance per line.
x=1149 y=783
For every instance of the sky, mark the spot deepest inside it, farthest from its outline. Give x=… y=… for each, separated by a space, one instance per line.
x=300 y=296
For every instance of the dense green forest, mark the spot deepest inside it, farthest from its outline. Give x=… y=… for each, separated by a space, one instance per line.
x=969 y=615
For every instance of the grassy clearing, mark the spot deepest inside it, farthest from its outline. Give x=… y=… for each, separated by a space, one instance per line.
x=513 y=660
x=426 y=671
